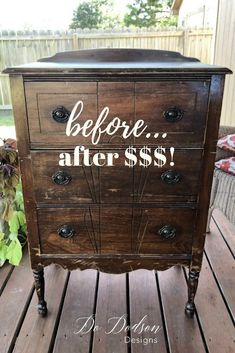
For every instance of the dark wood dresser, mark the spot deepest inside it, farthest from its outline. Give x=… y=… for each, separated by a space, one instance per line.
x=126 y=194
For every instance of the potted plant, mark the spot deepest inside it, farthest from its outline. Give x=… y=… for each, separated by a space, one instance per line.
x=12 y=216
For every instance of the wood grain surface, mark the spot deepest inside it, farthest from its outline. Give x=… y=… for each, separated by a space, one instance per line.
x=115 y=230
x=118 y=183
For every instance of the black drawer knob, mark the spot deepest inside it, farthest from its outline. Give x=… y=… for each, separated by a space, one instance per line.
x=171 y=177
x=66 y=231
x=173 y=114
x=61 y=178
x=167 y=231
x=61 y=114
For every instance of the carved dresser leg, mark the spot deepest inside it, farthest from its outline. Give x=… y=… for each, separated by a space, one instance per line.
x=40 y=289
x=192 y=288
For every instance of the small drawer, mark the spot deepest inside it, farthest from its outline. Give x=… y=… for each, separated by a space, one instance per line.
x=116 y=230
x=178 y=108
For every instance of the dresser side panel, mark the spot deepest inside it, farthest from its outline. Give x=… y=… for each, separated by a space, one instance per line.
x=22 y=133
x=207 y=168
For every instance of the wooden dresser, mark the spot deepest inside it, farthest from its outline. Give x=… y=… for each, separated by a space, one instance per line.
x=108 y=198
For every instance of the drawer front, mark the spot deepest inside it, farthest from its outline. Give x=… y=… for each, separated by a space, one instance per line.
x=44 y=98
x=119 y=183
x=178 y=108
x=163 y=230
x=116 y=230
x=85 y=184
x=169 y=183
x=91 y=230
x=141 y=230
x=69 y=230
x=54 y=184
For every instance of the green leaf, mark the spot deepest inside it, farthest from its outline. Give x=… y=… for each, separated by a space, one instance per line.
x=13 y=236
x=8 y=211
x=19 y=188
x=21 y=218
x=14 y=252
x=14 y=224
x=2 y=235
x=3 y=252
x=19 y=202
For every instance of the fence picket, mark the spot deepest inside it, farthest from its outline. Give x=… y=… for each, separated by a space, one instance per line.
x=20 y=48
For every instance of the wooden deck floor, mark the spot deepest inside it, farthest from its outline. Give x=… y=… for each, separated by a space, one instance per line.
x=130 y=297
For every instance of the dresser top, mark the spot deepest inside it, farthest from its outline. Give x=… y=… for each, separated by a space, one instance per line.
x=117 y=60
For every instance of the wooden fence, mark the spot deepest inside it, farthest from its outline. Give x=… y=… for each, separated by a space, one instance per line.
x=20 y=48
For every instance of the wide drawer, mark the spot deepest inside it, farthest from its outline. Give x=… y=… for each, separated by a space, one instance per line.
x=177 y=108
x=116 y=230
x=119 y=183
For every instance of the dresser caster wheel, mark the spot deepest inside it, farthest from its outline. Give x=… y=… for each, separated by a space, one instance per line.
x=42 y=309
x=190 y=310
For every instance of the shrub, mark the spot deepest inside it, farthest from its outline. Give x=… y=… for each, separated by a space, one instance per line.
x=12 y=216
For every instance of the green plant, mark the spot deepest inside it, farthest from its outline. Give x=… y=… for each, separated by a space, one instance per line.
x=12 y=216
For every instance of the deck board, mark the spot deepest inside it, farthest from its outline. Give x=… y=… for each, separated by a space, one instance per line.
x=226 y=229
x=144 y=302
x=37 y=331
x=5 y=273
x=160 y=296
x=213 y=314
x=222 y=263
x=111 y=305
x=173 y=290
x=14 y=302
x=79 y=303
